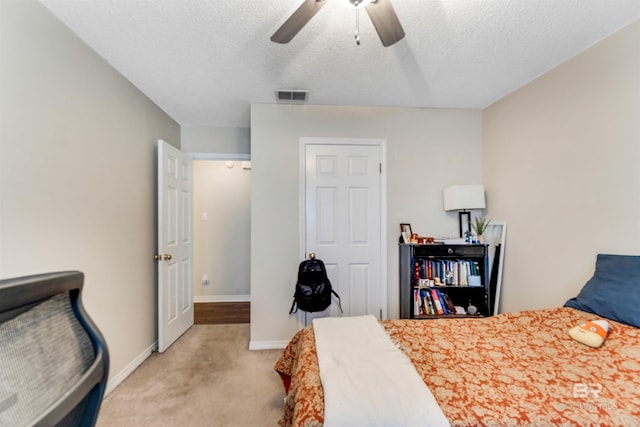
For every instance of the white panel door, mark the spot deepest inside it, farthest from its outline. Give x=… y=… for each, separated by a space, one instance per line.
x=343 y=223
x=175 y=244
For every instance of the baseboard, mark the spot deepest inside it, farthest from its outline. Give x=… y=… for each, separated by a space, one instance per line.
x=222 y=298
x=128 y=370
x=267 y=345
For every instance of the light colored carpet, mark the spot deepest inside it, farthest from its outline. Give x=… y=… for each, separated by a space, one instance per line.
x=206 y=378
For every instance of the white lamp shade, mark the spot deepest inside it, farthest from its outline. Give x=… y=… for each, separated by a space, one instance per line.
x=461 y=197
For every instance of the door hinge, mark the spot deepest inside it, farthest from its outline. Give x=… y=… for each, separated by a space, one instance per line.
x=380 y=167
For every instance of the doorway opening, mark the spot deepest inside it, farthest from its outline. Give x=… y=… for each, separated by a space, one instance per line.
x=221 y=229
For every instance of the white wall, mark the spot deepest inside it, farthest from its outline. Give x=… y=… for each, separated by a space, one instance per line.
x=209 y=139
x=77 y=156
x=561 y=166
x=222 y=241
x=427 y=150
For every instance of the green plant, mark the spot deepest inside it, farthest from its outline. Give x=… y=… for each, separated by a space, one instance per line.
x=480 y=224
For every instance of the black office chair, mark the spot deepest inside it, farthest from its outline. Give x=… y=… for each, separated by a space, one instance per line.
x=54 y=361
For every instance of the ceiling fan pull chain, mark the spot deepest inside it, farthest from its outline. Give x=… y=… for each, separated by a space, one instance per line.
x=357 y=35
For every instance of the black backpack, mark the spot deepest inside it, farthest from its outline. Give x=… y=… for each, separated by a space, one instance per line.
x=313 y=289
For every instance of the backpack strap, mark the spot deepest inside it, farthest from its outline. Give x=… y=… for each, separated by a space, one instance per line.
x=337 y=296
x=293 y=304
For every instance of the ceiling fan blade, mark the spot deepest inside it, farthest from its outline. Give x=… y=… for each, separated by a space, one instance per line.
x=385 y=21
x=299 y=19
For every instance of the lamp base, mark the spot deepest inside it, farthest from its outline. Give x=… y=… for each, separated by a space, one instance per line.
x=464 y=224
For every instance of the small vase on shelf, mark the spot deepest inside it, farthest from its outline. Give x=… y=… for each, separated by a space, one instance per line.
x=479 y=225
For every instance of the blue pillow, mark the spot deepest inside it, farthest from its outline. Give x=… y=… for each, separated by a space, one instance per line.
x=613 y=291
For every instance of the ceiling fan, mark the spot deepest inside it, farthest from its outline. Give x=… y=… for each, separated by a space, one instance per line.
x=381 y=12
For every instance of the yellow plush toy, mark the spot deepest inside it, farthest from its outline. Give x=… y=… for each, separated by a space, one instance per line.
x=592 y=333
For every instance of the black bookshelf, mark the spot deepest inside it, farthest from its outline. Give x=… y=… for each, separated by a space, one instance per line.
x=444 y=269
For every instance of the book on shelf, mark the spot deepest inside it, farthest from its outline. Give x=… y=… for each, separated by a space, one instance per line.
x=463 y=274
x=445 y=310
x=449 y=303
x=444 y=272
x=436 y=301
x=426 y=302
x=431 y=301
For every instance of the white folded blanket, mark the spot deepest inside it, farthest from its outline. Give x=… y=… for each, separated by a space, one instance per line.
x=367 y=380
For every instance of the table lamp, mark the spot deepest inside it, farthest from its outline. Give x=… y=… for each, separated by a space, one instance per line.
x=462 y=198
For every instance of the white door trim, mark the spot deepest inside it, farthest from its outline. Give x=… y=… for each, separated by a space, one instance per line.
x=382 y=144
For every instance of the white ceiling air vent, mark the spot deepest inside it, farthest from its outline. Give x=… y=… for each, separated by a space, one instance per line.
x=292 y=96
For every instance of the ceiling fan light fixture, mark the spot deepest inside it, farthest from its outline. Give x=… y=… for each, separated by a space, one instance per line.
x=355 y=3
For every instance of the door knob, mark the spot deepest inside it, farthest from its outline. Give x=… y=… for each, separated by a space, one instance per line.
x=167 y=257
x=160 y=257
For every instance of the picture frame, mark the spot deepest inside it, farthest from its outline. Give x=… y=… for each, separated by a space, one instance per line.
x=495 y=236
x=406 y=232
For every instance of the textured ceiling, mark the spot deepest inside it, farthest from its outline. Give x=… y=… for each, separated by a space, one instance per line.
x=205 y=61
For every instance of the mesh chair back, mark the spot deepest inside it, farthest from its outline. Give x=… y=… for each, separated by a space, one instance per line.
x=54 y=361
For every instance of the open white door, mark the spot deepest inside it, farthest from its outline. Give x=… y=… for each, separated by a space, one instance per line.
x=175 y=244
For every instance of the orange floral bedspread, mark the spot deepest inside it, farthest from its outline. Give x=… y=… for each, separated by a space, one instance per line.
x=514 y=369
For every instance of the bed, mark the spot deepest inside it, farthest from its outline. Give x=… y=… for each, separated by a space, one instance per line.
x=513 y=369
